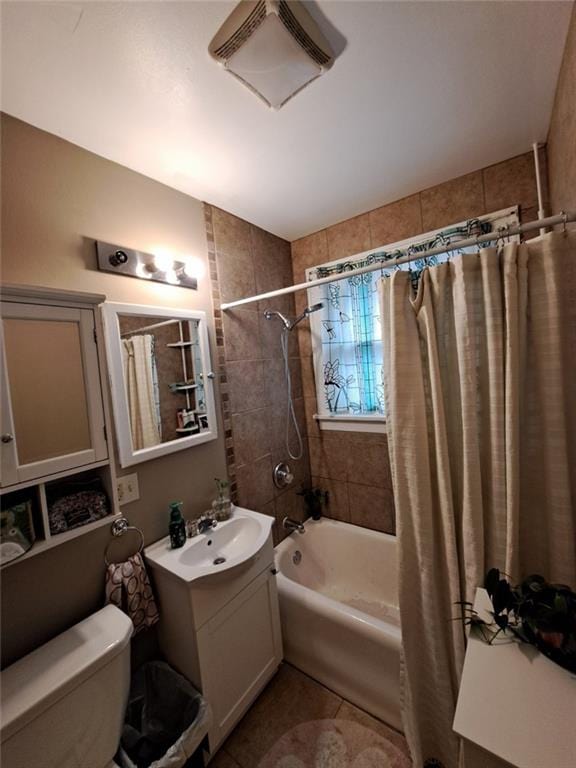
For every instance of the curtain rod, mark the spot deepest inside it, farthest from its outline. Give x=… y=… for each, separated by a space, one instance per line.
x=149 y=327
x=550 y=221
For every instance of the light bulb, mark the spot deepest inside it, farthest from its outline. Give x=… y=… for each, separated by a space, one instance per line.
x=163 y=262
x=194 y=267
x=171 y=277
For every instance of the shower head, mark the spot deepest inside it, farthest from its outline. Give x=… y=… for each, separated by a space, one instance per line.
x=307 y=311
x=289 y=325
x=270 y=313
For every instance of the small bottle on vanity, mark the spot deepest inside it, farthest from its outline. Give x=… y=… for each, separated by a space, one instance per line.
x=222 y=506
x=177 y=527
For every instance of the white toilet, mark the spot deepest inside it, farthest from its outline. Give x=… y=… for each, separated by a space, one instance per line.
x=63 y=705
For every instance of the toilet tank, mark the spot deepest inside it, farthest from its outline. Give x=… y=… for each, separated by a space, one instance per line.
x=63 y=705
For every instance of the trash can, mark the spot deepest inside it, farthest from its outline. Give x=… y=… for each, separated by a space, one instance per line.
x=166 y=721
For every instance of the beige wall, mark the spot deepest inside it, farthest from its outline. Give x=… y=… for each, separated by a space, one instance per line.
x=354 y=466
x=247 y=260
x=562 y=134
x=56 y=199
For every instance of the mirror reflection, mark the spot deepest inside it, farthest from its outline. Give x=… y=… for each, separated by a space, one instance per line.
x=163 y=378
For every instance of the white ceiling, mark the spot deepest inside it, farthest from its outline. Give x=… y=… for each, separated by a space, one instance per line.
x=422 y=92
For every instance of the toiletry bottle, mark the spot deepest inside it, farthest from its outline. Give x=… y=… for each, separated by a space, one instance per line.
x=177 y=527
x=221 y=507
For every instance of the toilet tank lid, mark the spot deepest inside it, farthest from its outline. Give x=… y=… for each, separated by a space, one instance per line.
x=37 y=681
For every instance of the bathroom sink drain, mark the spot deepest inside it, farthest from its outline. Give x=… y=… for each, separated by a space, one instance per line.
x=219 y=561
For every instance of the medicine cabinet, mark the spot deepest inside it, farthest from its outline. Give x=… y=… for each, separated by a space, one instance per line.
x=54 y=451
x=160 y=378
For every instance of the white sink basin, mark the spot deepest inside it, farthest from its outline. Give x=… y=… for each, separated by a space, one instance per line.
x=229 y=544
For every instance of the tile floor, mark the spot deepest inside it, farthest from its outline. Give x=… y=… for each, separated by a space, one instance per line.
x=290 y=700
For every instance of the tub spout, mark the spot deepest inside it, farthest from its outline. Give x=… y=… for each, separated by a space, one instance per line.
x=293 y=525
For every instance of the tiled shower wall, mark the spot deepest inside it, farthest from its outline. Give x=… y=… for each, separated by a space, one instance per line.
x=244 y=261
x=353 y=466
x=562 y=133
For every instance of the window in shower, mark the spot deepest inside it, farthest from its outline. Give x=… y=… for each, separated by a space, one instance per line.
x=347 y=334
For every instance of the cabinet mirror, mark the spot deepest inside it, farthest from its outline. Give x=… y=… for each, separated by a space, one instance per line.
x=161 y=380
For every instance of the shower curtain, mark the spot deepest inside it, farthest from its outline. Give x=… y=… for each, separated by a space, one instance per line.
x=481 y=398
x=141 y=391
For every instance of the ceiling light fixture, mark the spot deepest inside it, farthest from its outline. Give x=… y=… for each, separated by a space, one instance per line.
x=272 y=46
x=160 y=267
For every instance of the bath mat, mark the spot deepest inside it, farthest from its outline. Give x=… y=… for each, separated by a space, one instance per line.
x=334 y=744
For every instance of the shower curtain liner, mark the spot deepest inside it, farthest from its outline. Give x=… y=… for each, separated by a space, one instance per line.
x=480 y=383
x=141 y=380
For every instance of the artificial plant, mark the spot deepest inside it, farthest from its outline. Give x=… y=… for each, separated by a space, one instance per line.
x=535 y=611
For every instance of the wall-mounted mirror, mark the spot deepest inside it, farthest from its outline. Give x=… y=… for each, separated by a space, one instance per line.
x=161 y=379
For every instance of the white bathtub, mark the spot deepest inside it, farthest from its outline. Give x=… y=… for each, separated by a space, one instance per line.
x=339 y=612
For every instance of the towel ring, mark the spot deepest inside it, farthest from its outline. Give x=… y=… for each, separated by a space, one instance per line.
x=118 y=528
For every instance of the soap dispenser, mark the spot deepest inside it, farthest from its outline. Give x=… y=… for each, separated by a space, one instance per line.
x=177 y=527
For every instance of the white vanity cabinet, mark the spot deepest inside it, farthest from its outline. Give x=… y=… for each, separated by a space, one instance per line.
x=221 y=631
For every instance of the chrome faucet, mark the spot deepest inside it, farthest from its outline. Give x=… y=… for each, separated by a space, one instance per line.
x=293 y=525
x=206 y=523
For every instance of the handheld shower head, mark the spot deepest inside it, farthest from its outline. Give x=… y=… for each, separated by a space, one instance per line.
x=308 y=311
x=270 y=313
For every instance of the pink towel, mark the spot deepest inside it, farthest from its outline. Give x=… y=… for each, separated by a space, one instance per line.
x=128 y=587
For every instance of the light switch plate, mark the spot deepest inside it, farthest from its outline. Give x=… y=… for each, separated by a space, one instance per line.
x=128 y=488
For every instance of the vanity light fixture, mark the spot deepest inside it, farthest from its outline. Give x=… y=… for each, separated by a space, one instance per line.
x=160 y=267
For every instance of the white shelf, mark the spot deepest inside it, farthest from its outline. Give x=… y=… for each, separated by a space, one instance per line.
x=185 y=388
x=188 y=429
x=54 y=476
x=41 y=545
x=180 y=344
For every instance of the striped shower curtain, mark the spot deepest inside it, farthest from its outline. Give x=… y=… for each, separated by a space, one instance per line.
x=480 y=383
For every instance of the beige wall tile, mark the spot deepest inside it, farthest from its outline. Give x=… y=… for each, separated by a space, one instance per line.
x=453 y=201
x=251 y=433
x=512 y=182
x=235 y=275
x=396 y=221
x=561 y=137
x=308 y=380
x=290 y=504
x=231 y=234
x=329 y=455
x=368 y=463
x=311 y=408
x=338 y=507
x=349 y=237
x=308 y=252
x=241 y=335
x=270 y=336
x=246 y=385
x=272 y=261
x=275 y=383
x=372 y=507
x=255 y=485
x=526 y=215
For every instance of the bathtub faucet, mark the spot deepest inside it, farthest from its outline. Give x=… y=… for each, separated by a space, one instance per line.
x=293 y=525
